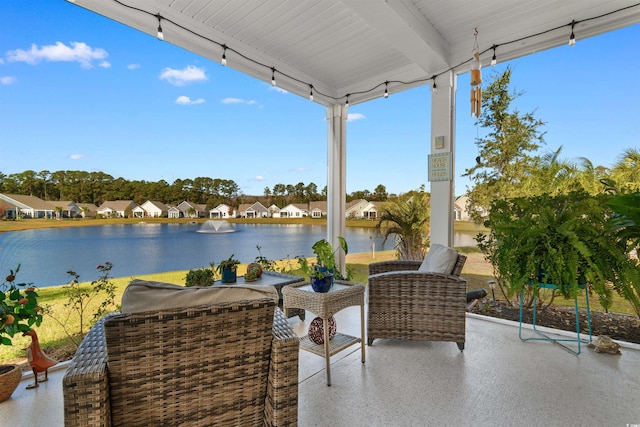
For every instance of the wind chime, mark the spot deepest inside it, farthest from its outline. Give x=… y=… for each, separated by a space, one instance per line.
x=476 y=79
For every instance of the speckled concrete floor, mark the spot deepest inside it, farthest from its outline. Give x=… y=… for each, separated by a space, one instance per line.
x=497 y=381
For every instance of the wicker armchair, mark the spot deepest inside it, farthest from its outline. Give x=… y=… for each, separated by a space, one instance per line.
x=407 y=304
x=228 y=364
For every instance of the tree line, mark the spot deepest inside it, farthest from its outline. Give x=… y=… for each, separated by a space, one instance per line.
x=98 y=187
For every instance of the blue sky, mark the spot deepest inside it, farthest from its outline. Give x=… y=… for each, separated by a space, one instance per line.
x=81 y=92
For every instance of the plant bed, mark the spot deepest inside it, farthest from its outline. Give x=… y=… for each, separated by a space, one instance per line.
x=618 y=326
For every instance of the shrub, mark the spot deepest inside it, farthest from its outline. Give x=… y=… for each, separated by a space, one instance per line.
x=200 y=277
x=19 y=309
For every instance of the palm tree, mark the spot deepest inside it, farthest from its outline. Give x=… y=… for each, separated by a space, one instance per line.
x=626 y=221
x=626 y=172
x=551 y=175
x=407 y=218
x=590 y=177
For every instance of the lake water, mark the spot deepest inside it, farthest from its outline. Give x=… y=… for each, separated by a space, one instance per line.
x=46 y=255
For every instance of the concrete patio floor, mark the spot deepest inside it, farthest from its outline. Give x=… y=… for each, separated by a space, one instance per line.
x=497 y=381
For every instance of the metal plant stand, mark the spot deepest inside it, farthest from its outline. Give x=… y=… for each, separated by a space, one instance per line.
x=542 y=336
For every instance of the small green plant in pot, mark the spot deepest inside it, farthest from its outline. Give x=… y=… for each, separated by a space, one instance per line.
x=322 y=273
x=201 y=276
x=227 y=269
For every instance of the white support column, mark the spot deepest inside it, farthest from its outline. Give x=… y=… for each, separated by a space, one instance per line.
x=443 y=110
x=336 y=178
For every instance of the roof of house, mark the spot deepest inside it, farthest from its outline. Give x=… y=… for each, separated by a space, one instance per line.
x=90 y=206
x=295 y=206
x=197 y=206
x=157 y=204
x=320 y=205
x=255 y=206
x=26 y=202
x=117 y=205
x=63 y=203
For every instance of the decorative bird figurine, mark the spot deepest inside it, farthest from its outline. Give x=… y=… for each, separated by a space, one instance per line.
x=39 y=361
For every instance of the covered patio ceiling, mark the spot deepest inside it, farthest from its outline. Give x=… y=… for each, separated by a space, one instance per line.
x=340 y=48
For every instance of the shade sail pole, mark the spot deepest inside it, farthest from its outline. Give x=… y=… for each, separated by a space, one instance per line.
x=336 y=178
x=443 y=112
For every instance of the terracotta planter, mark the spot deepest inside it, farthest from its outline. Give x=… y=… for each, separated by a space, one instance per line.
x=10 y=376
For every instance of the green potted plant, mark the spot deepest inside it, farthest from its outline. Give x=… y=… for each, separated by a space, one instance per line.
x=200 y=277
x=324 y=271
x=564 y=240
x=228 y=269
x=19 y=311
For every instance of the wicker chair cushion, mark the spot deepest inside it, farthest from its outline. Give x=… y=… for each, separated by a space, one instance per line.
x=439 y=259
x=143 y=295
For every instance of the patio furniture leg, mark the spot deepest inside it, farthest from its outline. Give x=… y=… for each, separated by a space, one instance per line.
x=558 y=340
x=362 y=332
x=325 y=324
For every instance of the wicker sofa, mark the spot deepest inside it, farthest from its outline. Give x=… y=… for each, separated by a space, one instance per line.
x=227 y=364
x=405 y=303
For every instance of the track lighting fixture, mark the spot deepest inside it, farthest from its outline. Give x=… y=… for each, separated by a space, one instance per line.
x=224 y=55
x=386 y=89
x=273 y=76
x=310 y=92
x=494 y=60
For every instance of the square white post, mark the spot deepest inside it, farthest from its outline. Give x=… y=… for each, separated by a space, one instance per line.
x=443 y=111
x=336 y=178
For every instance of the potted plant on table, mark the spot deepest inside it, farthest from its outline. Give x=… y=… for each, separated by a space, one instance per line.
x=19 y=311
x=228 y=269
x=324 y=271
x=201 y=277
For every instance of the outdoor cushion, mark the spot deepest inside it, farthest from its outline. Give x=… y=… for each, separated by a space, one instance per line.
x=143 y=295
x=439 y=259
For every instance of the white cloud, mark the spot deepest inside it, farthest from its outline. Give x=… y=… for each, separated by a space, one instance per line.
x=133 y=66
x=185 y=100
x=105 y=64
x=238 y=101
x=187 y=75
x=76 y=156
x=77 y=52
x=7 y=80
x=232 y=101
x=355 y=116
x=300 y=169
x=259 y=178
